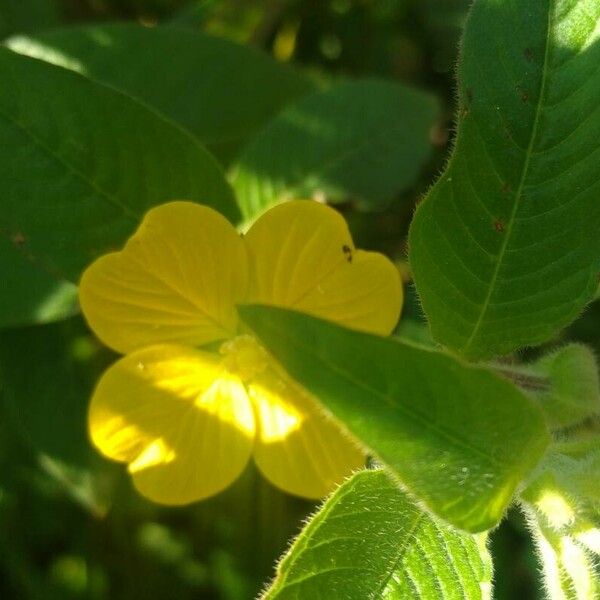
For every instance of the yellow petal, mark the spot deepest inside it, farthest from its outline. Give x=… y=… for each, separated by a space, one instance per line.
x=364 y=294
x=184 y=425
x=177 y=280
x=303 y=258
x=297 y=448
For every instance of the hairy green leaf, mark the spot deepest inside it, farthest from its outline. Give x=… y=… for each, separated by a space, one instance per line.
x=562 y=504
x=363 y=141
x=568 y=564
x=505 y=248
x=574 y=391
x=457 y=436
x=369 y=540
x=82 y=163
x=218 y=90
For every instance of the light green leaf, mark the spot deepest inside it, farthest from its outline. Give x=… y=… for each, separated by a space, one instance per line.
x=574 y=391
x=458 y=436
x=568 y=566
x=562 y=504
x=47 y=373
x=81 y=164
x=505 y=248
x=369 y=540
x=31 y=295
x=364 y=141
x=218 y=90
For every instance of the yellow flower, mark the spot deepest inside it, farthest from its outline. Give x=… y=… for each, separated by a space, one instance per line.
x=187 y=419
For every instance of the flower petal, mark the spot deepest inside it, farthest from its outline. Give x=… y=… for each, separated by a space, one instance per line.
x=184 y=425
x=364 y=294
x=297 y=448
x=176 y=280
x=302 y=257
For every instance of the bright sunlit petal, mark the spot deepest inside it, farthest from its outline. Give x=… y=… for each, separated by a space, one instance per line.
x=302 y=257
x=177 y=280
x=297 y=449
x=184 y=425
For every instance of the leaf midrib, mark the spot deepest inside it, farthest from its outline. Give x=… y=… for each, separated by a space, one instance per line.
x=519 y=193
x=422 y=421
x=403 y=548
x=37 y=141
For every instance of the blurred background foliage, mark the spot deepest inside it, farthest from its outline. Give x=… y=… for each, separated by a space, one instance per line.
x=70 y=524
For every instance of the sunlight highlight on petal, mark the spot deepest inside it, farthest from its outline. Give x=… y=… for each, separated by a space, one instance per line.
x=297 y=448
x=183 y=423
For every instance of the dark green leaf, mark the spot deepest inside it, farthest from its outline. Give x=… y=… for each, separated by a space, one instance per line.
x=364 y=141
x=505 y=248
x=81 y=164
x=47 y=374
x=218 y=90
x=30 y=294
x=369 y=540
x=17 y=16
x=458 y=436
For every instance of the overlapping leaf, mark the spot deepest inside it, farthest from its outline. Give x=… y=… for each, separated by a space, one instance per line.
x=31 y=294
x=369 y=540
x=47 y=374
x=459 y=437
x=363 y=141
x=81 y=167
x=505 y=248
x=219 y=91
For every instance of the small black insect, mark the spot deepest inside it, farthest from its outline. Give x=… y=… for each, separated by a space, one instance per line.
x=347 y=252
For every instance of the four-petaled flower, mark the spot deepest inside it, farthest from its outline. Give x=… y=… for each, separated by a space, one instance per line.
x=196 y=396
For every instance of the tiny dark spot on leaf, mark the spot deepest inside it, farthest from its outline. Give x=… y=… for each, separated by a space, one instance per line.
x=528 y=52
x=498 y=225
x=469 y=95
x=18 y=239
x=524 y=96
x=506 y=188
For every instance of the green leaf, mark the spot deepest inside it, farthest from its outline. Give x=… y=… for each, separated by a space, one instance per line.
x=31 y=295
x=218 y=90
x=81 y=164
x=562 y=504
x=364 y=141
x=27 y=15
x=369 y=540
x=47 y=374
x=568 y=566
x=458 y=436
x=505 y=248
x=574 y=390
